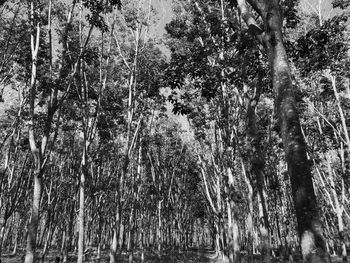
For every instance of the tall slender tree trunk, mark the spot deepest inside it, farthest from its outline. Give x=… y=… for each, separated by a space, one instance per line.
x=83 y=175
x=34 y=219
x=264 y=228
x=17 y=223
x=130 y=234
x=341 y=112
x=121 y=234
x=249 y=219
x=114 y=245
x=339 y=207
x=47 y=241
x=2 y=231
x=159 y=225
x=14 y=250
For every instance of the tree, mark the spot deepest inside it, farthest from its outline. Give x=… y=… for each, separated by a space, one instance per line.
x=308 y=215
x=108 y=158
x=322 y=76
x=51 y=97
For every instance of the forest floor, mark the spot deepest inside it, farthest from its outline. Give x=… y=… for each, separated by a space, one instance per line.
x=193 y=256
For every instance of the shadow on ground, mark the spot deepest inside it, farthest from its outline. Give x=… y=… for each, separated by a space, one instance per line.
x=167 y=256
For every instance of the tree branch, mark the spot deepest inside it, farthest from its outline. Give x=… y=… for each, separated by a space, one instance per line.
x=253 y=27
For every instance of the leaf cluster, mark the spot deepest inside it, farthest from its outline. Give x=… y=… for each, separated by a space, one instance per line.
x=98 y=9
x=322 y=48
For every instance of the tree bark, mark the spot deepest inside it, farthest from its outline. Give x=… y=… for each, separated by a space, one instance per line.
x=307 y=213
x=34 y=220
x=114 y=245
x=81 y=208
x=159 y=225
x=2 y=230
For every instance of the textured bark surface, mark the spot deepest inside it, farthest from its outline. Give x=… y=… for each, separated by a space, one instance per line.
x=309 y=225
x=37 y=156
x=81 y=211
x=34 y=220
x=308 y=218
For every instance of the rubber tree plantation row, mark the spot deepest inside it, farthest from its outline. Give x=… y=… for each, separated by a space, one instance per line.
x=174 y=131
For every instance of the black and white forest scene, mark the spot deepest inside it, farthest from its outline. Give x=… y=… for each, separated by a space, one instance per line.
x=174 y=131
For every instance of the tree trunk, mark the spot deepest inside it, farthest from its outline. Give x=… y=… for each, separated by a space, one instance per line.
x=81 y=209
x=70 y=234
x=233 y=245
x=159 y=225
x=64 y=247
x=341 y=112
x=14 y=251
x=264 y=233
x=34 y=221
x=113 y=252
x=249 y=219
x=216 y=237
x=46 y=244
x=142 y=237
x=2 y=230
x=121 y=234
x=308 y=218
x=130 y=242
x=307 y=213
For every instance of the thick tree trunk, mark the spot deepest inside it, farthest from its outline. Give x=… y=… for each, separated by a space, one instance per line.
x=307 y=213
